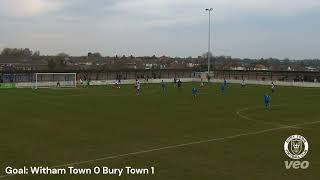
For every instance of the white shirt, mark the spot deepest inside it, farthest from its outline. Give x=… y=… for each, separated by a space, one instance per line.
x=138 y=84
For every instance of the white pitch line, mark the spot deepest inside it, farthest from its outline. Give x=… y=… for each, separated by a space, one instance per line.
x=263 y=122
x=177 y=146
x=184 y=145
x=239 y=113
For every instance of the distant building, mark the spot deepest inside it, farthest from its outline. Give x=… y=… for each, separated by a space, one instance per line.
x=311 y=69
x=260 y=67
x=191 y=65
x=238 y=68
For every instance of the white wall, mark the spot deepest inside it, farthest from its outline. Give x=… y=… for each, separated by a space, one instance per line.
x=277 y=83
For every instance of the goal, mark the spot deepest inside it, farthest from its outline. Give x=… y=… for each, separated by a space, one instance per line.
x=55 y=80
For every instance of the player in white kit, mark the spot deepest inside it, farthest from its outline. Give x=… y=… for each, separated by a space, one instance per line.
x=138 y=87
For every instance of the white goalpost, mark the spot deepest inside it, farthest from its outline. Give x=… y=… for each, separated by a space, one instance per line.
x=55 y=80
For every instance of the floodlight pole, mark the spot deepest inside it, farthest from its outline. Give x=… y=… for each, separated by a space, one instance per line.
x=209 y=38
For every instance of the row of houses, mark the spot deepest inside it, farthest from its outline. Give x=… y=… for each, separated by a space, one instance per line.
x=48 y=62
x=43 y=63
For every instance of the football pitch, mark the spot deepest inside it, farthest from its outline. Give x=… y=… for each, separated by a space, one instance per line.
x=212 y=136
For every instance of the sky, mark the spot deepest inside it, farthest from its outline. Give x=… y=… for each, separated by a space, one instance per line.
x=240 y=28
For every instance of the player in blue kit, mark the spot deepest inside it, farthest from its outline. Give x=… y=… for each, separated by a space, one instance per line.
x=267 y=101
x=175 y=82
x=222 y=88
x=194 y=92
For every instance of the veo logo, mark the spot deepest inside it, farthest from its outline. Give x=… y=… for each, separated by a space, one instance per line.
x=297 y=164
x=296 y=147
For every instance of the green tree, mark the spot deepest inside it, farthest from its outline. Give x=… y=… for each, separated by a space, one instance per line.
x=62 y=54
x=26 y=52
x=97 y=54
x=6 y=52
x=36 y=54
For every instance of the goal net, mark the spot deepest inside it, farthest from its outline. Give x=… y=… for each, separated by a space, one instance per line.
x=55 y=80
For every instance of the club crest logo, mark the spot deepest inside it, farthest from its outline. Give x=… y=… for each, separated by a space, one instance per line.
x=296 y=147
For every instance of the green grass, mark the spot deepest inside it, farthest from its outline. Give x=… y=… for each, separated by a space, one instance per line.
x=50 y=127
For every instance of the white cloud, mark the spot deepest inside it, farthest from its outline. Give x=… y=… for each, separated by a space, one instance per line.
x=159 y=26
x=172 y=11
x=270 y=5
x=23 y=8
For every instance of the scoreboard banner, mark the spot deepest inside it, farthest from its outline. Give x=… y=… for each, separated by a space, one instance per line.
x=7 y=85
